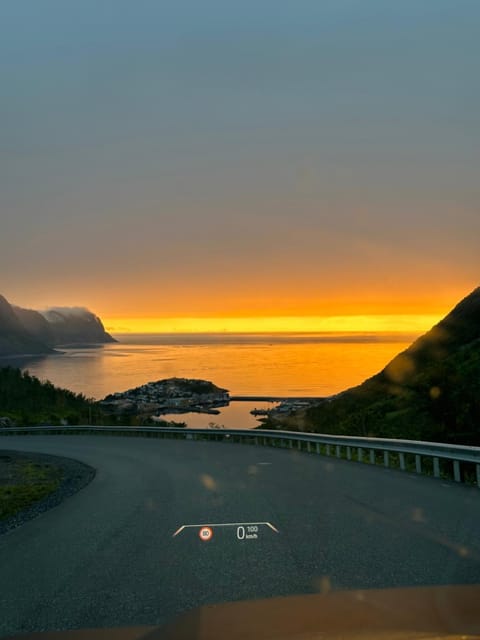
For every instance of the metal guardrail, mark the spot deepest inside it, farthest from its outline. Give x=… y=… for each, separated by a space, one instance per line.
x=463 y=463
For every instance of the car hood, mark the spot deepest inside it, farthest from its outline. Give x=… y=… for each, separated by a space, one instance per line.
x=387 y=614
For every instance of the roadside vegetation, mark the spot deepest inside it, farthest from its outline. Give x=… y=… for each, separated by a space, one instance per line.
x=23 y=483
x=28 y=401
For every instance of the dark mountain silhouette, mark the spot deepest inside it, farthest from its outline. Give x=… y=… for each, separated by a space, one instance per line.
x=430 y=391
x=35 y=324
x=25 y=331
x=14 y=337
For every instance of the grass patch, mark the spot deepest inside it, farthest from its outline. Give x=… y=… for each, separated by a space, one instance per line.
x=23 y=482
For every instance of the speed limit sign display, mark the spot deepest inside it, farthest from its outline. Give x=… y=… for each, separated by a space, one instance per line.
x=205 y=534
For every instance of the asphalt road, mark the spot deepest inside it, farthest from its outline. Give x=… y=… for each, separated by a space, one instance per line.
x=106 y=556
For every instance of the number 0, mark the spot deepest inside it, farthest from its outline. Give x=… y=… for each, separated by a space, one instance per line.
x=241 y=533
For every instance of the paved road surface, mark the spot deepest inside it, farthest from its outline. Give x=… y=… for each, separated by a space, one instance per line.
x=106 y=556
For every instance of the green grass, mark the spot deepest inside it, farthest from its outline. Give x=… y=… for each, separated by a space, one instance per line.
x=23 y=482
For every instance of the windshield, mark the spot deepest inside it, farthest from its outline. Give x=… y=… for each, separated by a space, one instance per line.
x=239 y=317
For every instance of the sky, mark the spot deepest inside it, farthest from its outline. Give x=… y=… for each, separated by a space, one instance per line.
x=224 y=165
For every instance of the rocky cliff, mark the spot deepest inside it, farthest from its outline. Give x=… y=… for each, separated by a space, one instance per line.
x=75 y=325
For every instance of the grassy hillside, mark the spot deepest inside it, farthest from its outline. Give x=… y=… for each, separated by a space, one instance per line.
x=431 y=391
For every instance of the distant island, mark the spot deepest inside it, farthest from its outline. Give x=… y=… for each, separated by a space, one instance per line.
x=172 y=395
x=30 y=332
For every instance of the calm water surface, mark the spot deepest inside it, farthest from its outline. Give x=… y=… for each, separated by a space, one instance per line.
x=266 y=365
x=260 y=365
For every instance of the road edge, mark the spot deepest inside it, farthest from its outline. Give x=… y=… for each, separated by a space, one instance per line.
x=76 y=476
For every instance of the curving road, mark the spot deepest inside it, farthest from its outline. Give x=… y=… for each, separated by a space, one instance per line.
x=106 y=556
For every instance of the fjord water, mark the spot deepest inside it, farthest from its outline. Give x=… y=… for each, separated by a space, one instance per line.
x=250 y=365
x=245 y=364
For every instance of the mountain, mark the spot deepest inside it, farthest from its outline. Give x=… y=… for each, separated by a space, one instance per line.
x=460 y=328
x=75 y=325
x=35 y=324
x=25 y=331
x=430 y=391
x=14 y=337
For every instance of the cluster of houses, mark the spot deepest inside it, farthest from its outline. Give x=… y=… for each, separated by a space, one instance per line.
x=173 y=395
x=289 y=407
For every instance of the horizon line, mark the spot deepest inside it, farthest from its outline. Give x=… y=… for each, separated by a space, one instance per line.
x=373 y=323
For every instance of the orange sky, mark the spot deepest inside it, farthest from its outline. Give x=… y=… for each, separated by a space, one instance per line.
x=301 y=285
x=221 y=307
x=374 y=323
x=279 y=310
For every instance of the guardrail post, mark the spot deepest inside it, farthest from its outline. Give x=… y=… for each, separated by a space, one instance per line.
x=337 y=450
x=478 y=475
x=418 y=463
x=317 y=447
x=436 y=467
x=255 y=440
x=386 y=459
x=360 y=454
x=299 y=445
x=349 y=453
x=372 y=456
x=328 y=449
x=402 y=460
x=456 y=471
x=308 y=447
x=290 y=444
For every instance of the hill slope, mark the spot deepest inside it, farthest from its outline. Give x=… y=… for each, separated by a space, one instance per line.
x=431 y=391
x=35 y=324
x=14 y=337
x=27 y=400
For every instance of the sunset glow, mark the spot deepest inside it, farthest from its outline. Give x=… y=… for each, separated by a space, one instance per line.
x=377 y=323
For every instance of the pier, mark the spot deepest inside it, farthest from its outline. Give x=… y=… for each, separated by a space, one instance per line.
x=275 y=398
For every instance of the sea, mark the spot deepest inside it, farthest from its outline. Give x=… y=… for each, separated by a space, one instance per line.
x=259 y=366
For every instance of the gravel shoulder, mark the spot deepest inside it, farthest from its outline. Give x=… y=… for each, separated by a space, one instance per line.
x=65 y=477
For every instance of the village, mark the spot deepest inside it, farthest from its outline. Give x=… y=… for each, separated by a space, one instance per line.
x=172 y=395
